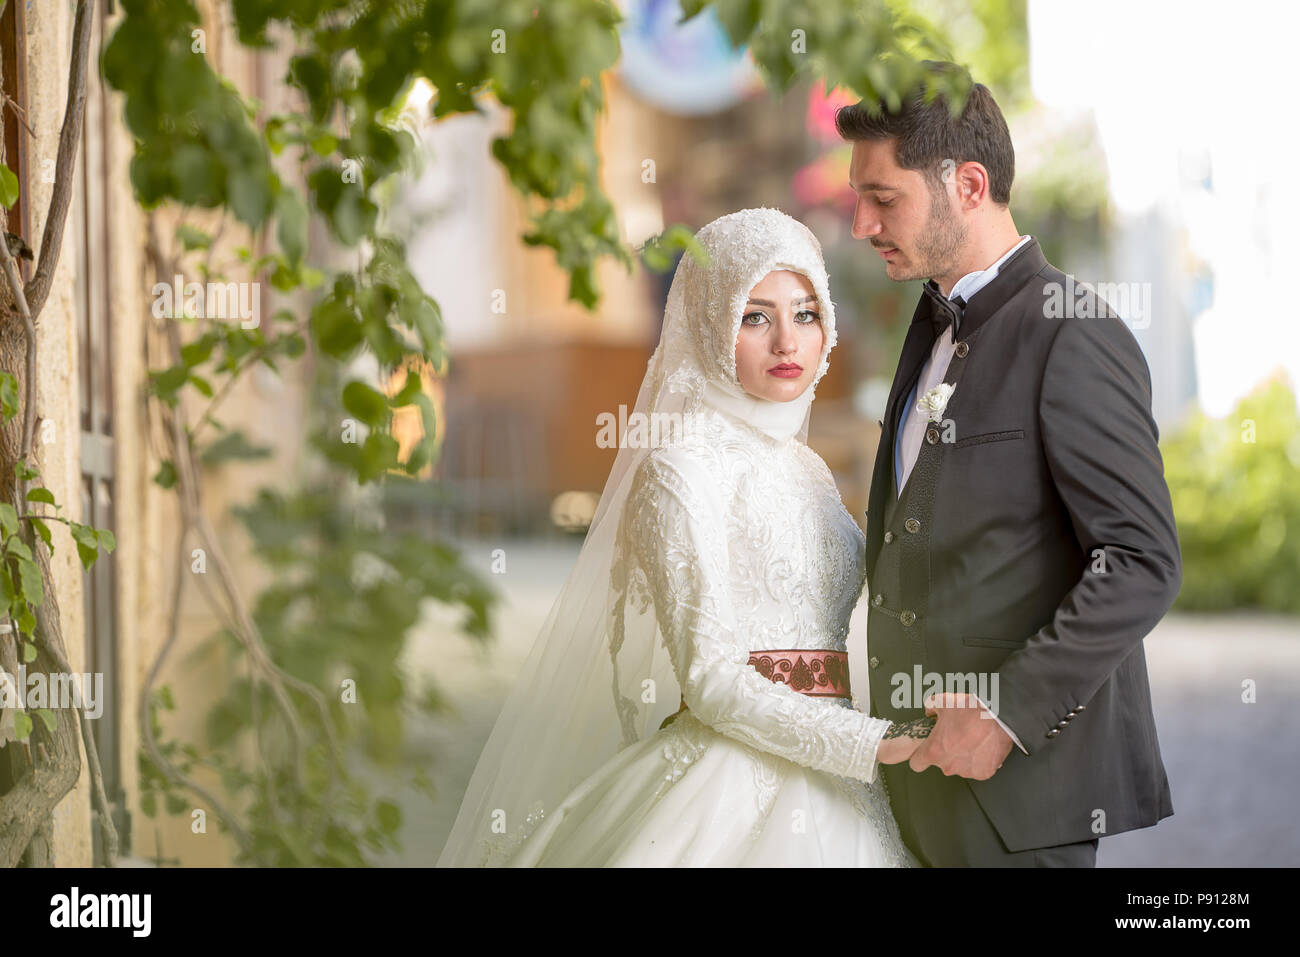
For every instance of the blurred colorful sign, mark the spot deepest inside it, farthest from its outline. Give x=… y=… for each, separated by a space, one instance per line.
x=682 y=68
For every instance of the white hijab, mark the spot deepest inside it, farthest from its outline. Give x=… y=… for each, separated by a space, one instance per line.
x=578 y=699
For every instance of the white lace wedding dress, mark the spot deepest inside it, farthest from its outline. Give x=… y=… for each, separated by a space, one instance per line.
x=742 y=544
x=704 y=548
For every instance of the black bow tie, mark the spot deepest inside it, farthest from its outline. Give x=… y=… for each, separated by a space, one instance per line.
x=944 y=310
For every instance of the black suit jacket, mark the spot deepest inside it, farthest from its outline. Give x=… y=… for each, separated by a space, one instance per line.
x=1052 y=551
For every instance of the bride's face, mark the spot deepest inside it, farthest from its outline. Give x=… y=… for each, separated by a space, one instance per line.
x=779 y=345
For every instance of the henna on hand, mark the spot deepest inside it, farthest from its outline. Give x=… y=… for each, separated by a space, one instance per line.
x=919 y=728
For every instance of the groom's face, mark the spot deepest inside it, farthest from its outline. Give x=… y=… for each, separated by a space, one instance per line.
x=911 y=225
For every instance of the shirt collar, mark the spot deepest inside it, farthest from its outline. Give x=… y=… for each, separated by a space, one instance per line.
x=973 y=282
x=951 y=308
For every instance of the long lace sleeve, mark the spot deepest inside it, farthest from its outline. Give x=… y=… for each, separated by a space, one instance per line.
x=679 y=540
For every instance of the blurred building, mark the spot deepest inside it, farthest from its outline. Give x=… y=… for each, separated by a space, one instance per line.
x=689 y=135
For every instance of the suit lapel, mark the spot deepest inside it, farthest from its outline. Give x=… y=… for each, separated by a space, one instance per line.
x=916 y=348
x=1015 y=272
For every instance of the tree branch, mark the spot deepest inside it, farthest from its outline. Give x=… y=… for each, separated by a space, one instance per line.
x=38 y=289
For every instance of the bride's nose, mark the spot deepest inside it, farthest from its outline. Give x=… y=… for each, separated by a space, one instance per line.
x=787 y=343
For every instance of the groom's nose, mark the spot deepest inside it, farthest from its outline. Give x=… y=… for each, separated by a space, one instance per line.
x=865 y=222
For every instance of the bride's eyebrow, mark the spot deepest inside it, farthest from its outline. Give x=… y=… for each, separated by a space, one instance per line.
x=771 y=305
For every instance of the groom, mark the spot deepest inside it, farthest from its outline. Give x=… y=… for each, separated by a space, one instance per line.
x=1020 y=538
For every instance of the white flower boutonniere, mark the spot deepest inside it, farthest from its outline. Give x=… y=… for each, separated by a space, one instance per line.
x=935 y=401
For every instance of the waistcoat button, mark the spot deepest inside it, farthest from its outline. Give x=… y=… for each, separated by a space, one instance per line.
x=932 y=435
x=889 y=537
x=908 y=618
x=875 y=662
x=961 y=350
x=912 y=525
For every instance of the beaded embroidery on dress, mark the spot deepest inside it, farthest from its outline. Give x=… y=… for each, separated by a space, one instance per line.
x=728 y=539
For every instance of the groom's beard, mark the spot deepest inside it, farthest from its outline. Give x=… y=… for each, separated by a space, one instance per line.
x=941 y=240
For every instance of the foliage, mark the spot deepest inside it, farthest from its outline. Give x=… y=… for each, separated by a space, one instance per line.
x=342 y=595
x=871 y=48
x=1235 y=484
x=21 y=579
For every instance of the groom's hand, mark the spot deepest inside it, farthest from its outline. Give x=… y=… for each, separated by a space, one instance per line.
x=964 y=741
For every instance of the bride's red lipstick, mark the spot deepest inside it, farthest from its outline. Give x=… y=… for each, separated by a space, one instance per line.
x=786 y=370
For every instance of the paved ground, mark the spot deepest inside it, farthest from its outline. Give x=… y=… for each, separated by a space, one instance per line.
x=1234 y=768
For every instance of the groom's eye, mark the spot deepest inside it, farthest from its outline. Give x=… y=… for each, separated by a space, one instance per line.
x=884 y=202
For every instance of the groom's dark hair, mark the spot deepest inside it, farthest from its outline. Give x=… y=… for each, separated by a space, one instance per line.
x=928 y=133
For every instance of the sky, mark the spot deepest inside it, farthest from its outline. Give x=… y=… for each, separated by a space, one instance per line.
x=1197 y=104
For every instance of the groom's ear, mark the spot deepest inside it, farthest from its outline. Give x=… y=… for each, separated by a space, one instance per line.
x=972 y=184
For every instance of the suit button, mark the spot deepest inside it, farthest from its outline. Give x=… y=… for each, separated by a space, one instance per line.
x=874 y=662
x=912 y=525
x=1053 y=733
x=889 y=537
x=877 y=600
x=961 y=350
x=932 y=435
x=908 y=618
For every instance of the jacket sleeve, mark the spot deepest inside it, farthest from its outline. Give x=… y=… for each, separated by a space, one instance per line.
x=679 y=541
x=1100 y=442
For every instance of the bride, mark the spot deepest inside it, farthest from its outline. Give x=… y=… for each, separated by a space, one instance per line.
x=687 y=702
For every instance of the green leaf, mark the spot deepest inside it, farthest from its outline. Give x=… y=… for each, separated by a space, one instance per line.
x=191 y=237
x=30 y=584
x=41 y=495
x=194 y=353
x=29 y=651
x=8 y=520
x=106 y=539
x=367 y=404
x=166 y=474
x=202 y=384
x=168 y=381
x=291 y=229
x=149 y=804
x=47 y=718
x=249 y=190
x=9 y=395
x=87 y=543
x=22 y=724
x=325 y=144
x=406 y=395
x=8 y=186
x=42 y=530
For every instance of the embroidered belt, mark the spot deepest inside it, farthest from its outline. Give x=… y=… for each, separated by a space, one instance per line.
x=816 y=673
x=822 y=674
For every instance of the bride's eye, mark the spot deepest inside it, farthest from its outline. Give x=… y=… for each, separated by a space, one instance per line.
x=812 y=317
x=757 y=316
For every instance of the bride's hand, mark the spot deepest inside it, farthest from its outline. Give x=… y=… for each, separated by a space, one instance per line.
x=902 y=738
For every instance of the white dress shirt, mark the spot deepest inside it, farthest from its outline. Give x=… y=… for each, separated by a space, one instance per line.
x=912 y=425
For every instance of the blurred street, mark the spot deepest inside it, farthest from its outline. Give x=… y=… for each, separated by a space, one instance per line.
x=1233 y=767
